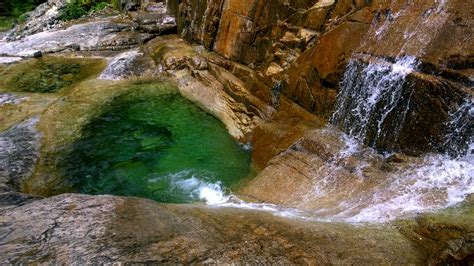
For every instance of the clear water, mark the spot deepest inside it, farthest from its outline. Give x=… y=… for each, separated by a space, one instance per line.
x=161 y=147
x=48 y=74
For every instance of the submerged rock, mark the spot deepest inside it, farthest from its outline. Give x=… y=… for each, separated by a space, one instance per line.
x=19 y=151
x=49 y=74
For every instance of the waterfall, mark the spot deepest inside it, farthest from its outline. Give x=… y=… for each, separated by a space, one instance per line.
x=345 y=179
x=372 y=107
x=369 y=94
x=375 y=97
x=459 y=137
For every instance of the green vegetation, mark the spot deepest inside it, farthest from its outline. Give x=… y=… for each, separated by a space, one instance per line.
x=12 y=11
x=15 y=8
x=78 y=8
x=6 y=23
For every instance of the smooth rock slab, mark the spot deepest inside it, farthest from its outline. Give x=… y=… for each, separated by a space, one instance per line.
x=98 y=229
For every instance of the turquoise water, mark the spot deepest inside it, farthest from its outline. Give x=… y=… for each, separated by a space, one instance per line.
x=161 y=147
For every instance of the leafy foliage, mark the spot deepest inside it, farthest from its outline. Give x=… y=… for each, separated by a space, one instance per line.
x=79 y=8
x=73 y=11
x=15 y=8
x=12 y=11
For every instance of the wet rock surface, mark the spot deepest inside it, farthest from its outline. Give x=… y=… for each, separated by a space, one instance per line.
x=128 y=64
x=204 y=79
x=19 y=152
x=338 y=179
x=101 y=229
x=99 y=35
x=307 y=46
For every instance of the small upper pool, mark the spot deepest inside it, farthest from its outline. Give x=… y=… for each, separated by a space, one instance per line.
x=158 y=146
x=48 y=74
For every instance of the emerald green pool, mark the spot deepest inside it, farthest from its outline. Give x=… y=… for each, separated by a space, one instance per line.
x=158 y=146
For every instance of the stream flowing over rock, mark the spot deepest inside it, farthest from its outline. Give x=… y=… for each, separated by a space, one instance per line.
x=358 y=117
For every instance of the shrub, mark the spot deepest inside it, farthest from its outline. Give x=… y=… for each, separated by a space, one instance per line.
x=79 y=8
x=73 y=10
x=15 y=8
x=98 y=7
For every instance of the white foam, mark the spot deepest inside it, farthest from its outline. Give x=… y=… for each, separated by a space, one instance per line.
x=194 y=184
x=422 y=185
x=7 y=98
x=437 y=183
x=212 y=194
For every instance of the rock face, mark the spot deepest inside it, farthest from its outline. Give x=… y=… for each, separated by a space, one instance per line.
x=44 y=17
x=419 y=107
x=19 y=152
x=272 y=35
x=307 y=45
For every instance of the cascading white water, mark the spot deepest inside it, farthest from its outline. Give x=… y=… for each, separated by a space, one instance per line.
x=416 y=185
x=372 y=91
x=369 y=93
x=459 y=137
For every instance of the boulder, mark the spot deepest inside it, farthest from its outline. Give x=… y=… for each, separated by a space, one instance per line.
x=128 y=64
